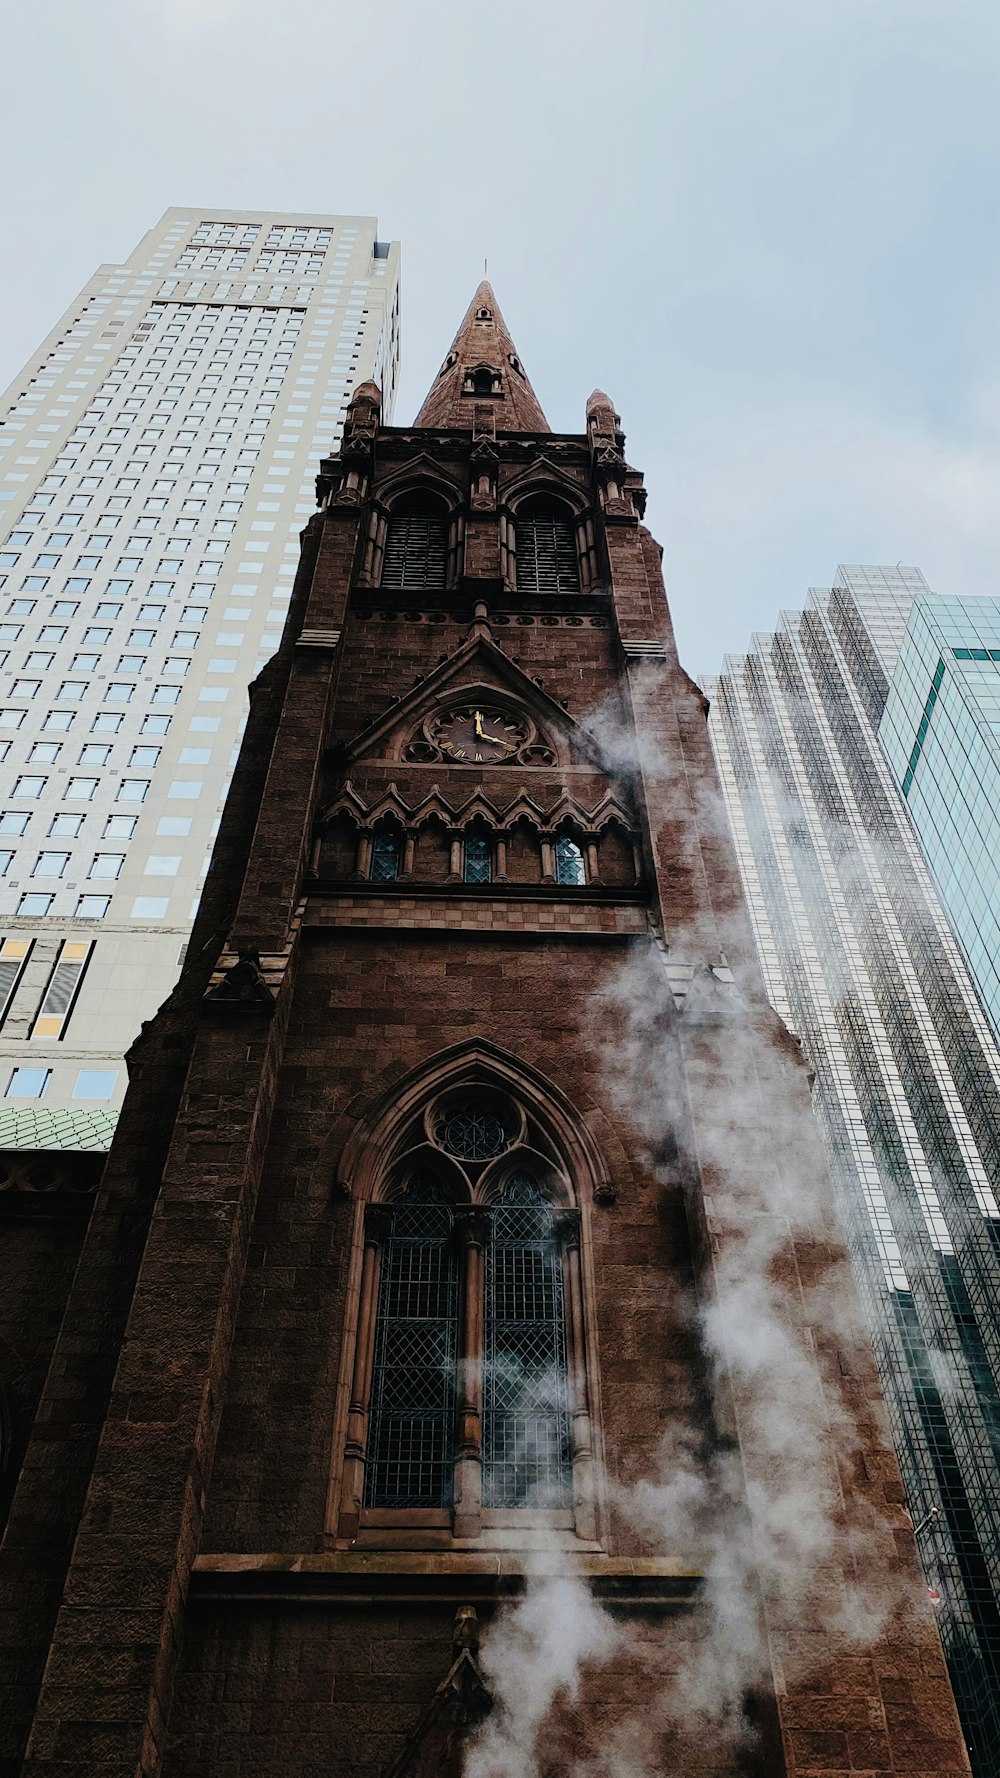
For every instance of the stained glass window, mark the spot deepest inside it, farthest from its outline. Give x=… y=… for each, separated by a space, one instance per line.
x=527 y=1457
x=411 y=1432
x=569 y=862
x=478 y=859
x=385 y=858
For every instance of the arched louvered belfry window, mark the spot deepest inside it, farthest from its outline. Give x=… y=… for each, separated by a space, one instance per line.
x=416 y=544
x=527 y=1456
x=545 y=547
x=411 y=1437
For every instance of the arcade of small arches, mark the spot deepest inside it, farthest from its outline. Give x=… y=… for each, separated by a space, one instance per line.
x=416 y=542
x=471 y=1381
x=391 y=844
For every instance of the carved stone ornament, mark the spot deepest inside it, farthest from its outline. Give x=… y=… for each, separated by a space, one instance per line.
x=436 y=1747
x=243 y=983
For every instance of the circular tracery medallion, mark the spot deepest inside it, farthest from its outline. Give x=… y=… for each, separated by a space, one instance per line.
x=471 y=1132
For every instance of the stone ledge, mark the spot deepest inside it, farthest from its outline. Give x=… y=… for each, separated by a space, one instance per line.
x=368 y=1577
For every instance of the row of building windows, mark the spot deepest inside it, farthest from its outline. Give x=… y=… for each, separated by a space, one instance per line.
x=32 y=1083
x=478 y=855
x=478 y=859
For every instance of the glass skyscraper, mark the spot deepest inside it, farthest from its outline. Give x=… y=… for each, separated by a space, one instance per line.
x=157 y=462
x=861 y=962
x=941 y=735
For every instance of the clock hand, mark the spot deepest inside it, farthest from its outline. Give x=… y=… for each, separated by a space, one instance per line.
x=479 y=722
x=497 y=740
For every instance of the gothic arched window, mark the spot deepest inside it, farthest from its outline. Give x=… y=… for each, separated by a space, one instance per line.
x=545 y=547
x=469 y=1392
x=416 y=544
x=385 y=856
x=569 y=862
x=411 y=1429
x=527 y=1460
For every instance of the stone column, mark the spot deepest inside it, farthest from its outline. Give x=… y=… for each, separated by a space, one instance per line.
x=567 y=1224
x=378 y=1223
x=472 y=1230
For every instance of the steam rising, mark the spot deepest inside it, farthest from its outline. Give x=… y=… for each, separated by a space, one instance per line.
x=758 y=1507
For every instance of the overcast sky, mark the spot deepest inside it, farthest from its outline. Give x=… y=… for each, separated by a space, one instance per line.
x=769 y=230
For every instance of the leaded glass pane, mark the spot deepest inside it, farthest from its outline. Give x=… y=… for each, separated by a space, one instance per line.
x=527 y=1432
x=569 y=862
x=478 y=860
x=385 y=858
x=411 y=1431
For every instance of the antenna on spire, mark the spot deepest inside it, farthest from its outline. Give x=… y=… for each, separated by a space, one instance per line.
x=486 y=268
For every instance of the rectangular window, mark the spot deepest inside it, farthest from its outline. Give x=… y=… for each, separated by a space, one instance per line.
x=62 y=990
x=50 y=864
x=92 y=907
x=149 y=907
x=35 y=904
x=95 y=1083
x=28 y=1083
x=14 y=954
x=80 y=790
x=107 y=866
x=132 y=790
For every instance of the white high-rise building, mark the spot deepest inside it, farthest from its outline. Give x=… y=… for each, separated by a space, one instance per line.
x=157 y=461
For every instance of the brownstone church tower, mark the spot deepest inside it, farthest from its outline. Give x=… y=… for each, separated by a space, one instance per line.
x=461 y=1371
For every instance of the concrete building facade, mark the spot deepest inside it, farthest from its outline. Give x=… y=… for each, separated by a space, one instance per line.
x=861 y=961
x=157 y=461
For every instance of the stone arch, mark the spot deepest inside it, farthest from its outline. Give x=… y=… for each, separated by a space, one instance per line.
x=369 y=1139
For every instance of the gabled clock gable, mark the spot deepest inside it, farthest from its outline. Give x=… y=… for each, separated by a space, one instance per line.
x=479 y=671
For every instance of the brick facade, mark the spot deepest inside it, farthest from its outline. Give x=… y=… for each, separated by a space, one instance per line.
x=197 y=1577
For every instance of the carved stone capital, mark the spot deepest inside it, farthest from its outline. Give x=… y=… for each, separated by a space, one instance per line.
x=472 y=1224
x=378 y=1222
x=567 y=1227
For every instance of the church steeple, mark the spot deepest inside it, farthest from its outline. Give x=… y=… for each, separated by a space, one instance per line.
x=483 y=366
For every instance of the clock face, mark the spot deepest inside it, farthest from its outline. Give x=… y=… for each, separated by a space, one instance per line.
x=479 y=736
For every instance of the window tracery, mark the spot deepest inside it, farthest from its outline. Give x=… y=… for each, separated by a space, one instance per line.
x=469 y=1394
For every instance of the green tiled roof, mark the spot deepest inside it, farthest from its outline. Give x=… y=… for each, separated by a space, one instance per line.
x=31 y=1126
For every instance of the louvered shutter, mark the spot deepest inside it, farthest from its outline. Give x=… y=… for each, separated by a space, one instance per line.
x=546 y=556
x=416 y=548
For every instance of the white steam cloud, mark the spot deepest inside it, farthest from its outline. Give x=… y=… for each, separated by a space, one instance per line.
x=758 y=1508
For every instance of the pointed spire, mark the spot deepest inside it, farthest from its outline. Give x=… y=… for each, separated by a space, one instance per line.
x=483 y=366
